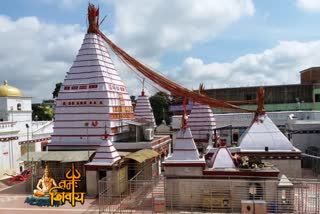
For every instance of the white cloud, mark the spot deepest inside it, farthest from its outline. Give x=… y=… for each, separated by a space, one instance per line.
x=36 y=55
x=147 y=29
x=279 y=65
x=309 y=5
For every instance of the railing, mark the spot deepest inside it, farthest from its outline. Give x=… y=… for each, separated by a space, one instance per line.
x=7 y=124
x=174 y=195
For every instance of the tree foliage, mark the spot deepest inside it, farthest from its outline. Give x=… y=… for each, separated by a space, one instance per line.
x=160 y=103
x=42 y=113
x=56 y=90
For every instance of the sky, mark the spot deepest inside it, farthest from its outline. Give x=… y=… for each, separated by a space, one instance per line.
x=229 y=43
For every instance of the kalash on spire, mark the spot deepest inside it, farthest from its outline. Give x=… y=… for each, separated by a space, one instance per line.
x=93 y=101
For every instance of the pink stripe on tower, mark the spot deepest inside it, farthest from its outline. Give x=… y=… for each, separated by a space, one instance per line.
x=143 y=109
x=201 y=117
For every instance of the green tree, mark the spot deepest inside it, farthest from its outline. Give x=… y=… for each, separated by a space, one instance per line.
x=56 y=90
x=160 y=103
x=42 y=112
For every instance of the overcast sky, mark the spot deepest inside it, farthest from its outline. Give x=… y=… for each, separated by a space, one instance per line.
x=227 y=43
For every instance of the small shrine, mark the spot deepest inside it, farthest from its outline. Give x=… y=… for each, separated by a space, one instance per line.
x=264 y=140
x=185 y=153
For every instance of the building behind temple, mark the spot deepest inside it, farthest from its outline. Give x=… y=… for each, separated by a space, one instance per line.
x=18 y=133
x=291 y=97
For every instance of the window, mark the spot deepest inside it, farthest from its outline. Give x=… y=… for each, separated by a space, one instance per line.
x=82 y=87
x=75 y=87
x=66 y=88
x=19 y=106
x=93 y=86
x=317 y=97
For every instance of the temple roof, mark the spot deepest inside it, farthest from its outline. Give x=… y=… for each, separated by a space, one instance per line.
x=264 y=133
x=222 y=159
x=106 y=154
x=9 y=91
x=184 y=149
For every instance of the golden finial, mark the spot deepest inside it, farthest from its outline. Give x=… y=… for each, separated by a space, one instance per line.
x=5 y=82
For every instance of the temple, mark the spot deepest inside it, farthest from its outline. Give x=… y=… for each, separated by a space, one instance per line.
x=264 y=140
x=112 y=145
x=94 y=117
x=185 y=154
x=92 y=101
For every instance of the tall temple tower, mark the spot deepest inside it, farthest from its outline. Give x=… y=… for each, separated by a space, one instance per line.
x=93 y=101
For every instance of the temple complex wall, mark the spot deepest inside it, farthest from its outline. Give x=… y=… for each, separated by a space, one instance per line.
x=92 y=184
x=183 y=171
x=219 y=194
x=290 y=167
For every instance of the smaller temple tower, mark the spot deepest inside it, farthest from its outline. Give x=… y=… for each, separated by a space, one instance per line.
x=264 y=140
x=105 y=158
x=201 y=121
x=185 y=159
x=222 y=159
x=143 y=110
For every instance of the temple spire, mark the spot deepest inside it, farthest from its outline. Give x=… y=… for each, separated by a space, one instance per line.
x=93 y=19
x=184 y=115
x=260 y=110
x=142 y=92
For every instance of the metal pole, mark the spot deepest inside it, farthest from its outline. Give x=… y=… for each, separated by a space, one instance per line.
x=27 y=143
x=32 y=168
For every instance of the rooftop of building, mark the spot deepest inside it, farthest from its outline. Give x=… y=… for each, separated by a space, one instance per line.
x=316 y=69
x=9 y=91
